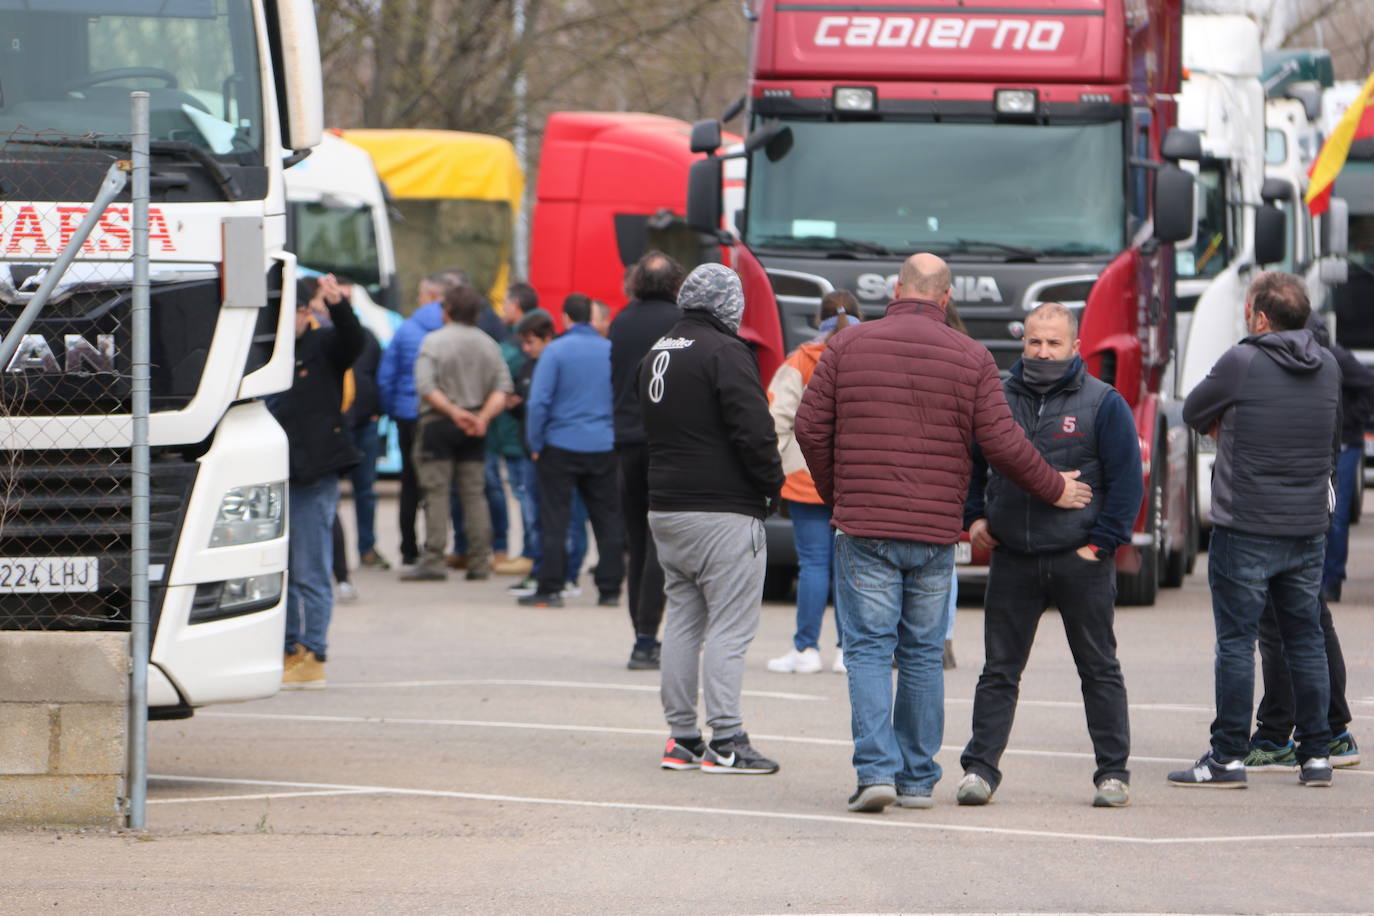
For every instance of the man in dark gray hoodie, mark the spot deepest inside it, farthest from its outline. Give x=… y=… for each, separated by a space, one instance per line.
x=1272 y=402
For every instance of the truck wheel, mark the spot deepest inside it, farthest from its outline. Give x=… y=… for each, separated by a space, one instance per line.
x=1141 y=587
x=1183 y=556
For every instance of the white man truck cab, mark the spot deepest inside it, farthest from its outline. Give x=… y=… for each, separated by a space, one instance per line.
x=234 y=86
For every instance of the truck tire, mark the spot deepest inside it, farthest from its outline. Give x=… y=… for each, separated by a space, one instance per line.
x=777 y=583
x=1141 y=587
x=1183 y=557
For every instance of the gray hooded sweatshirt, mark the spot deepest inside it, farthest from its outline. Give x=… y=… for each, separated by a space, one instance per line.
x=1277 y=397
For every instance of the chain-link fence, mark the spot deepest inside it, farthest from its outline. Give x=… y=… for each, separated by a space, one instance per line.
x=65 y=387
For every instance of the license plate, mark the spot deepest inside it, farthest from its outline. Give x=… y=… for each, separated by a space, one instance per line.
x=48 y=575
x=963 y=553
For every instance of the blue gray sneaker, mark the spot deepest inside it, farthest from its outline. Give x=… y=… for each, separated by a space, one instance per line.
x=1210 y=773
x=1266 y=756
x=1316 y=771
x=1343 y=751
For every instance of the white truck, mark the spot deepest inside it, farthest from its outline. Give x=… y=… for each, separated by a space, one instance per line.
x=1223 y=101
x=234 y=87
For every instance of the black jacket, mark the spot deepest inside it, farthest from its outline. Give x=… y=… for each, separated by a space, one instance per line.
x=1277 y=396
x=311 y=412
x=367 y=400
x=633 y=332
x=711 y=442
x=1357 y=386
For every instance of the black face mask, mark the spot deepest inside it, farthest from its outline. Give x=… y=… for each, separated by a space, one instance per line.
x=1040 y=375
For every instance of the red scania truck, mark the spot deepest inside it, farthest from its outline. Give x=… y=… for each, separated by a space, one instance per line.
x=1030 y=143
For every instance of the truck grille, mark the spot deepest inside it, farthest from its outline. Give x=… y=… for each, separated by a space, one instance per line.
x=72 y=504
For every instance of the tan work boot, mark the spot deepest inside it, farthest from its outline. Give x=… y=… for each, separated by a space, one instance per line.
x=306 y=674
x=292 y=659
x=515 y=566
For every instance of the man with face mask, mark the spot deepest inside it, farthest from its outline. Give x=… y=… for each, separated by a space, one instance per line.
x=1043 y=556
x=714 y=474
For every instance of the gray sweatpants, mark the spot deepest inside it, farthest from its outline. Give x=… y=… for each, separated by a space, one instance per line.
x=713 y=567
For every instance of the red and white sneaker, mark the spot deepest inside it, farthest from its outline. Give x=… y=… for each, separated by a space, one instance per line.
x=683 y=754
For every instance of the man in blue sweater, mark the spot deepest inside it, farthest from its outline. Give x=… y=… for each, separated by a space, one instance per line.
x=571 y=438
x=1042 y=555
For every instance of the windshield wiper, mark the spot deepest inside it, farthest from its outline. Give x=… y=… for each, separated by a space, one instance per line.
x=1074 y=248
x=1019 y=251
x=228 y=185
x=834 y=244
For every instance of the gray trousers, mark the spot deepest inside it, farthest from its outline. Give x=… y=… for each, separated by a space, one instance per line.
x=436 y=480
x=713 y=567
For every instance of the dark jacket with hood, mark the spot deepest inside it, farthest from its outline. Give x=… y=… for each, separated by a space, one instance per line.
x=311 y=412
x=1277 y=399
x=632 y=333
x=1357 y=386
x=711 y=442
x=1081 y=423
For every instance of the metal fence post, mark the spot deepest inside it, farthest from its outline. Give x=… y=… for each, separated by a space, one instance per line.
x=138 y=630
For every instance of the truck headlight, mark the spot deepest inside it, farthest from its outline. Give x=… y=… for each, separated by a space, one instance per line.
x=855 y=98
x=250 y=514
x=235 y=597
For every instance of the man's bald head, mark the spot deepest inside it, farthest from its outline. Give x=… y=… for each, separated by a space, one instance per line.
x=923 y=276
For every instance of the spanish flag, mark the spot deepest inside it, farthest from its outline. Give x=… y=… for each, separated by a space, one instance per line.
x=1357 y=124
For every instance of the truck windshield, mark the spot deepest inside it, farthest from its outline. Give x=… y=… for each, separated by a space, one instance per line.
x=1356 y=184
x=999 y=190
x=67 y=68
x=336 y=237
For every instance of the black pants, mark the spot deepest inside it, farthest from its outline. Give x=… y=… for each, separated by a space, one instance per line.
x=340 y=552
x=645 y=579
x=1277 y=708
x=1020 y=588
x=594 y=474
x=410 y=491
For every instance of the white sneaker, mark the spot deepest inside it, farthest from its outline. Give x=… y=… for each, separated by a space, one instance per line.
x=571 y=590
x=805 y=662
x=347 y=594
x=839 y=667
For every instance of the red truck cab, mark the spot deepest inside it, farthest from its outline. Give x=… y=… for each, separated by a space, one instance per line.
x=1023 y=142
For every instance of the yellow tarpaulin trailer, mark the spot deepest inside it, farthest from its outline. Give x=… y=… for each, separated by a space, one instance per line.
x=458 y=195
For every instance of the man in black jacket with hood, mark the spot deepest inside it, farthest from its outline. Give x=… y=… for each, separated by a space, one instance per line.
x=1272 y=402
x=652 y=312
x=321 y=447
x=714 y=473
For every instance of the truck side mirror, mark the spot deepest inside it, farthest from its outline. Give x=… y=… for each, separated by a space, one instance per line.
x=1275 y=189
x=1173 y=204
x=703 y=196
x=1309 y=93
x=300 y=89
x=1336 y=229
x=1271 y=235
x=1181 y=144
x=705 y=136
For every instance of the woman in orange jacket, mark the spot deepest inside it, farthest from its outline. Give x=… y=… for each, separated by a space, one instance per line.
x=810 y=516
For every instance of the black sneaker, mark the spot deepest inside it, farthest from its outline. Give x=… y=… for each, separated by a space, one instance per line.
x=1210 y=773
x=683 y=754
x=873 y=798
x=608 y=599
x=1315 y=772
x=643 y=659
x=540 y=599
x=734 y=755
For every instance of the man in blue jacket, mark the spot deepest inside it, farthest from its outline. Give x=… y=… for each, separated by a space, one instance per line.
x=396 y=385
x=571 y=437
x=1042 y=555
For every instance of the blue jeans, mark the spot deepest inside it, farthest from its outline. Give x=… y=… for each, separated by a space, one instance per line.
x=815 y=542
x=369 y=446
x=892 y=599
x=1338 y=535
x=953 y=602
x=1245 y=570
x=310 y=556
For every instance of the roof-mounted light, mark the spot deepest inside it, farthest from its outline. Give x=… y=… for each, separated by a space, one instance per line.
x=1016 y=103
x=855 y=99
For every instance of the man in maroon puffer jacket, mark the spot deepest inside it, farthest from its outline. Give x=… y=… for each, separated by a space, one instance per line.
x=887 y=426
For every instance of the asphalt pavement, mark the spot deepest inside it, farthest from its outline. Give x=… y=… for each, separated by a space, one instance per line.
x=472 y=756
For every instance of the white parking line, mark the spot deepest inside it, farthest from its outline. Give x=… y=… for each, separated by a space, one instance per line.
x=653 y=732
x=852 y=820
x=256 y=795
x=588 y=685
